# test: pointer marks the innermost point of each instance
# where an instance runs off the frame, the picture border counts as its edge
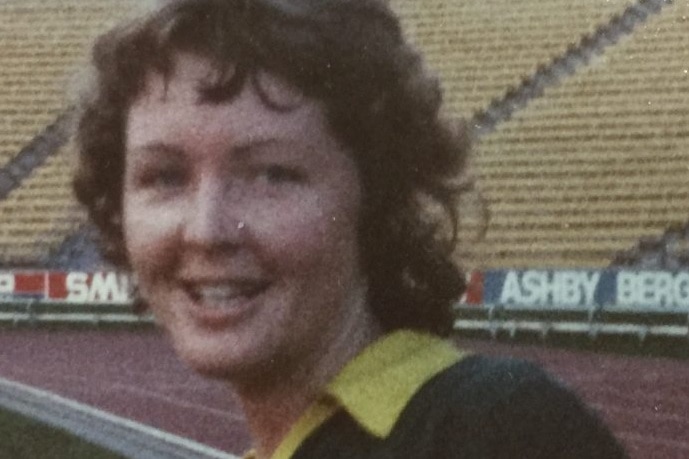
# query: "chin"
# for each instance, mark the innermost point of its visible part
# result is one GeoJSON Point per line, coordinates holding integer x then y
{"type": "Point", "coordinates": [217, 363]}
{"type": "Point", "coordinates": [211, 366]}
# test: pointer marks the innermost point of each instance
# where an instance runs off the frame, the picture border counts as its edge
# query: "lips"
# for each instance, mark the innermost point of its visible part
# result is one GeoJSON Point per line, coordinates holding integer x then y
{"type": "Point", "coordinates": [218, 303]}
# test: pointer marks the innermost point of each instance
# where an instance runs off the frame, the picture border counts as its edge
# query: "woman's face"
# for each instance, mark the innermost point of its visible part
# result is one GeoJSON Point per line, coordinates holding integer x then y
{"type": "Point", "coordinates": [241, 225]}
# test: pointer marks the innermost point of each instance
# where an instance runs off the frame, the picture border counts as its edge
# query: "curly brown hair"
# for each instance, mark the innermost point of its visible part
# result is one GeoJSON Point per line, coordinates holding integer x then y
{"type": "Point", "coordinates": [380, 102]}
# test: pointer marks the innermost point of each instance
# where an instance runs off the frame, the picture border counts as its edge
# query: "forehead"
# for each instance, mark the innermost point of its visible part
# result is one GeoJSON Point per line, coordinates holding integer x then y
{"type": "Point", "coordinates": [188, 73]}
{"type": "Point", "coordinates": [171, 106]}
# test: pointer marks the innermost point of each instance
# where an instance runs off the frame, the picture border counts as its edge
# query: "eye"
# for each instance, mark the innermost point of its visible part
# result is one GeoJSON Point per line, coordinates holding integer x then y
{"type": "Point", "coordinates": [278, 174]}
{"type": "Point", "coordinates": [163, 178]}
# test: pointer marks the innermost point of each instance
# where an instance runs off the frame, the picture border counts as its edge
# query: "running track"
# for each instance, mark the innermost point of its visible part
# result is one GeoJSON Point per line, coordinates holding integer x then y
{"type": "Point", "coordinates": [135, 374]}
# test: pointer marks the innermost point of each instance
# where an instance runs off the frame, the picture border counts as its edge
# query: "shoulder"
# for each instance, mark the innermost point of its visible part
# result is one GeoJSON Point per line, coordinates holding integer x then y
{"type": "Point", "coordinates": [496, 407]}
{"type": "Point", "coordinates": [478, 383]}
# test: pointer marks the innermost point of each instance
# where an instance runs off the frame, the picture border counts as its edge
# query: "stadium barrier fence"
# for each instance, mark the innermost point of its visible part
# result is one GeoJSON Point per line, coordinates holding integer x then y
{"type": "Point", "coordinates": [593, 302]}
{"type": "Point", "coordinates": [56, 297]}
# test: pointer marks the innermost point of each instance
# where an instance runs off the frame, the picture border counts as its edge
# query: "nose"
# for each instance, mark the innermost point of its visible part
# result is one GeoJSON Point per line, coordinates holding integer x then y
{"type": "Point", "coordinates": [212, 219]}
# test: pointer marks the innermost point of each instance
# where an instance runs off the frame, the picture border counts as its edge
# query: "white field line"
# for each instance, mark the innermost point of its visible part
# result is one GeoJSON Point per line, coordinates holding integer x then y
{"type": "Point", "coordinates": [52, 402]}
{"type": "Point", "coordinates": [145, 393]}
{"type": "Point", "coordinates": [105, 385]}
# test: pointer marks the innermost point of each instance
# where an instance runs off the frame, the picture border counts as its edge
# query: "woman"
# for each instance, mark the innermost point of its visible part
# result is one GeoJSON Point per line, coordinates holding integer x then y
{"type": "Point", "coordinates": [278, 178]}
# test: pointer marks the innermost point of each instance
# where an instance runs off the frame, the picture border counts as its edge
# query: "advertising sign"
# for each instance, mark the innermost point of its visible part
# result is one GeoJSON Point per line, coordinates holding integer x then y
{"type": "Point", "coordinates": [614, 290]}
{"type": "Point", "coordinates": [562, 289]}
{"type": "Point", "coordinates": [106, 287]}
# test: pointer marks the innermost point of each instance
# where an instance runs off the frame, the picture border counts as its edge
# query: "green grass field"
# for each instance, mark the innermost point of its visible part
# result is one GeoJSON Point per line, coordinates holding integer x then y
{"type": "Point", "coordinates": [24, 438]}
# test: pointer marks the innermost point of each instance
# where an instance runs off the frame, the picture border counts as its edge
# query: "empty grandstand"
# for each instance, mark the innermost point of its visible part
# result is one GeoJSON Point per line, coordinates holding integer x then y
{"type": "Point", "coordinates": [587, 160]}
{"type": "Point", "coordinates": [598, 160]}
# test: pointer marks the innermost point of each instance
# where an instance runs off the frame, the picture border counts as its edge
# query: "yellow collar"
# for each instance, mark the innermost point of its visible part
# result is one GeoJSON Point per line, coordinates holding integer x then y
{"type": "Point", "coordinates": [375, 386]}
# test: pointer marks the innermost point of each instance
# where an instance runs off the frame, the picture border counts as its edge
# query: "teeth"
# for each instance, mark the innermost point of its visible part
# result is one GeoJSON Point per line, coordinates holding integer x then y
{"type": "Point", "coordinates": [219, 292]}
{"type": "Point", "coordinates": [218, 296]}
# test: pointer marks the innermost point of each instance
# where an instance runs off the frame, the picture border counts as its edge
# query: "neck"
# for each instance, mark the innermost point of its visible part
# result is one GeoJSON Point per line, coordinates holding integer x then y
{"type": "Point", "coordinates": [272, 409]}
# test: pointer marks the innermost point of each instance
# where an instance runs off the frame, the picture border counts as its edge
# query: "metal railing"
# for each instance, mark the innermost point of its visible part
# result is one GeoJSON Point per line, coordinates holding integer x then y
{"type": "Point", "coordinates": [123, 436]}
{"type": "Point", "coordinates": [37, 313]}
{"type": "Point", "coordinates": [594, 323]}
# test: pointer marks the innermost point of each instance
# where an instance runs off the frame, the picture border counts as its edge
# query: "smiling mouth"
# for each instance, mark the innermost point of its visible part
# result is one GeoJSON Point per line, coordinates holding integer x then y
{"type": "Point", "coordinates": [224, 296]}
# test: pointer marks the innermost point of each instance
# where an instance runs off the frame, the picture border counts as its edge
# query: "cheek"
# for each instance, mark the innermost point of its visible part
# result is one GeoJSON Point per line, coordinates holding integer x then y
{"type": "Point", "coordinates": [316, 236]}
{"type": "Point", "coordinates": [150, 235]}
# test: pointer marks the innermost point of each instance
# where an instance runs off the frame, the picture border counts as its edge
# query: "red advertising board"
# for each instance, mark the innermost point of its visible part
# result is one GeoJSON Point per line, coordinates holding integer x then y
{"type": "Point", "coordinates": [108, 287]}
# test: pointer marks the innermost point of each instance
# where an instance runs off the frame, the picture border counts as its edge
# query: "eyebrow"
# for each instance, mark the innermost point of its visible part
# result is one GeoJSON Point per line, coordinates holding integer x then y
{"type": "Point", "coordinates": [242, 149]}
{"type": "Point", "coordinates": [158, 147]}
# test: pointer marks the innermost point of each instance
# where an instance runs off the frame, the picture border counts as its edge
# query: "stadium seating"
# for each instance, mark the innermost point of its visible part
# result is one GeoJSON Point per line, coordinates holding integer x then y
{"type": "Point", "coordinates": [598, 161]}
{"type": "Point", "coordinates": [482, 48]}
{"type": "Point", "coordinates": [669, 251]}
{"type": "Point", "coordinates": [43, 44]}
{"type": "Point", "coordinates": [41, 212]}
{"type": "Point", "coordinates": [578, 175]}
